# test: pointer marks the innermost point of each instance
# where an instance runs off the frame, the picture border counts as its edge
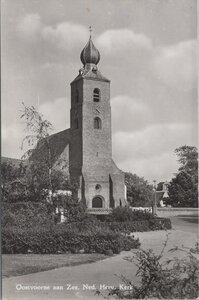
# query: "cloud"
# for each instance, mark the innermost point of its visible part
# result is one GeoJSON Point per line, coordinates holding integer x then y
{"type": "Point", "coordinates": [57, 112]}
{"type": "Point", "coordinates": [176, 65]}
{"type": "Point", "coordinates": [63, 35]}
{"type": "Point", "coordinates": [151, 85]}
{"type": "Point", "coordinates": [138, 151]}
{"type": "Point", "coordinates": [29, 27]}
{"type": "Point", "coordinates": [154, 139]}
{"type": "Point", "coordinates": [129, 113]}
{"type": "Point", "coordinates": [112, 41]}
{"type": "Point", "coordinates": [161, 167]}
{"type": "Point", "coordinates": [12, 136]}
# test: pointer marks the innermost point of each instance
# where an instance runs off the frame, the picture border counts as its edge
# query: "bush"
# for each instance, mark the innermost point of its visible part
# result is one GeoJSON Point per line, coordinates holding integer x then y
{"type": "Point", "coordinates": [160, 223]}
{"type": "Point", "coordinates": [128, 227]}
{"type": "Point", "coordinates": [31, 227]}
{"type": "Point", "coordinates": [92, 224]}
{"type": "Point", "coordinates": [126, 220]}
{"type": "Point", "coordinates": [172, 279]}
{"type": "Point", "coordinates": [124, 214]}
{"type": "Point", "coordinates": [140, 226]}
{"type": "Point", "coordinates": [87, 223]}
{"type": "Point", "coordinates": [60, 239]}
{"type": "Point", "coordinates": [26, 214]}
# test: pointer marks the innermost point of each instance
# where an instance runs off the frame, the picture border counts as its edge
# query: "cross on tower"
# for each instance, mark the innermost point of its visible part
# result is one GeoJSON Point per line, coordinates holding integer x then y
{"type": "Point", "coordinates": [90, 29]}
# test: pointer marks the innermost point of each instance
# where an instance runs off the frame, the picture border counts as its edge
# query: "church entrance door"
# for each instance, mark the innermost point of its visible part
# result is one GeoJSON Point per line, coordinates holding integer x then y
{"type": "Point", "coordinates": [97, 202]}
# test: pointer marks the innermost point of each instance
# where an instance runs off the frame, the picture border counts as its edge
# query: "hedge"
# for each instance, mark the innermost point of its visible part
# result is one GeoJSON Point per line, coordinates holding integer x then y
{"type": "Point", "coordinates": [160, 224]}
{"type": "Point", "coordinates": [59, 240]}
{"type": "Point", "coordinates": [140, 226]}
{"type": "Point", "coordinates": [125, 214]}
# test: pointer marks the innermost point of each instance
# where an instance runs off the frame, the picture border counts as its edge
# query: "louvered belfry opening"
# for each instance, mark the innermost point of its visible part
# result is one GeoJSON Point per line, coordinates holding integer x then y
{"type": "Point", "coordinates": [96, 95]}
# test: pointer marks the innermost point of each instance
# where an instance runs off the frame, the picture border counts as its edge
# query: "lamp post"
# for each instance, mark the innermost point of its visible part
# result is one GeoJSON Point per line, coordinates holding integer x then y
{"type": "Point", "coordinates": [154, 210]}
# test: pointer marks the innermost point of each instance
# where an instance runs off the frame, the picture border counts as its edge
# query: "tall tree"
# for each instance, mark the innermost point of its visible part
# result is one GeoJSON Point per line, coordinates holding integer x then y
{"type": "Point", "coordinates": [188, 159]}
{"type": "Point", "coordinates": [40, 175]}
{"type": "Point", "coordinates": [38, 131]}
{"type": "Point", "coordinates": [139, 191]}
{"type": "Point", "coordinates": [183, 189]}
{"type": "Point", "coordinates": [160, 186]}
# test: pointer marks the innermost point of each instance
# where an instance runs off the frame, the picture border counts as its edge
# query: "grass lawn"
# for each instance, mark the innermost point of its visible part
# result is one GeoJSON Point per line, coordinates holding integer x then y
{"type": "Point", "coordinates": [21, 264]}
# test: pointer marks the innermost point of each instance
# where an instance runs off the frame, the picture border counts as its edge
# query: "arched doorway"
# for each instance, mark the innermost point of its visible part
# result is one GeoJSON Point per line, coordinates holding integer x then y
{"type": "Point", "coordinates": [97, 202]}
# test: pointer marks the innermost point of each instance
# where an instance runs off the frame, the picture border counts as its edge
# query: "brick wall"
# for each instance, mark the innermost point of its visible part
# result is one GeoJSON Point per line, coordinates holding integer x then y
{"type": "Point", "coordinates": [90, 151]}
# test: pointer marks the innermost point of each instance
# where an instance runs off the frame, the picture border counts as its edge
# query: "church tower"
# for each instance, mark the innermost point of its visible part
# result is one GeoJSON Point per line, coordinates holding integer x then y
{"type": "Point", "coordinates": [100, 184]}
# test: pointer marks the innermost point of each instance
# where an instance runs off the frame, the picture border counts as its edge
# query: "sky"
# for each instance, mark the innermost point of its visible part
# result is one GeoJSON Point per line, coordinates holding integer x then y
{"type": "Point", "coordinates": [148, 51]}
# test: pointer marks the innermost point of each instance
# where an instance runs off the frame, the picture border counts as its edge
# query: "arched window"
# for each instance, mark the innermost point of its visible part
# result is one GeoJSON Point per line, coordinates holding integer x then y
{"type": "Point", "coordinates": [76, 124]}
{"type": "Point", "coordinates": [97, 123]}
{"type": "Point", "coordinates": [96, 95]}
{"type": "Point", "coordinates": [97, 202]}
{"type": "Point", "coordinates": [77, 96]}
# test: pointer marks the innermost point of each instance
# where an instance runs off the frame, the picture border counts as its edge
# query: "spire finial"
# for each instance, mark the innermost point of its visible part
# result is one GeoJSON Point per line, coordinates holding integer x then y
{"type": "Point", "coordinates": [90, 29]}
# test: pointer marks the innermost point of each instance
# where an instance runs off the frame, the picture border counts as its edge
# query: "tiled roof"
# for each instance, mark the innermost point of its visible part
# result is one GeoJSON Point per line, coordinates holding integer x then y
{"type": "Point", "coordinates": [90, 73]}
{"type": "Point", "coordinates": [14, 161]}
{"type": "Point", "coordinates": [57, 142]}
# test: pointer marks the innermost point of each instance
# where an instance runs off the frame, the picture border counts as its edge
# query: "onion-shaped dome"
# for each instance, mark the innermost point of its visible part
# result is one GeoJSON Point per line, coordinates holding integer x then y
{"type": "Point", "coordinates": [90, 55]}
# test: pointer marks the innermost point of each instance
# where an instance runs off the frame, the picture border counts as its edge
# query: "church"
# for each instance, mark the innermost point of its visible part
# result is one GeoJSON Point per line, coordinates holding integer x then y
{"type": "Point", "coordinates": [84, 151]}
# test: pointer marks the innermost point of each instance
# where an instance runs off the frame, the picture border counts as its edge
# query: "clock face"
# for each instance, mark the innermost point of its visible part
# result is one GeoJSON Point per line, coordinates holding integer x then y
{"type": "Point", "coordinates": [97, 111]}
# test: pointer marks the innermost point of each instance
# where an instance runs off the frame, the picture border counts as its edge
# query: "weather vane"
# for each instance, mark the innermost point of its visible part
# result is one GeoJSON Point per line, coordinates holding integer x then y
{"type": "Point", "coordinates": [90, 29]}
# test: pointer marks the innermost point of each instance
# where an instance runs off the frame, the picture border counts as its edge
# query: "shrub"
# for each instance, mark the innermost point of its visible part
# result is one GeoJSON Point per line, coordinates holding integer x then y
{"type": "Point", "coordinates": [124, 214]}
{"type": "Point", "coordinates": [128, 227]}
{"type": "Point", "coordinates": [140, 226]}
{"type": "Point", "coordinates": [76, 210]}
{"type": "Point", "coordinates": [160, 223]}
{"type": "Point", "coordinates": [87, 223]}
{"type": "Point", "coordinates": [60, 239]}
{"type": "Point", "coordinates": [172, 279]}
{"type": "Point", "coordinates": [26, 214]}
{"type": "Point", "coordinates": [108, 252]}
{"type": "Point", "coordinates": [92, 224]}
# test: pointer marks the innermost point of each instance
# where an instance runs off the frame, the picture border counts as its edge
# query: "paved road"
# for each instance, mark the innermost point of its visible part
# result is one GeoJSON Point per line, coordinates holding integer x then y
{"type": "Point", "coordinates": [101, 272]}
{"type": "Point", "coordinates": [185, 223]}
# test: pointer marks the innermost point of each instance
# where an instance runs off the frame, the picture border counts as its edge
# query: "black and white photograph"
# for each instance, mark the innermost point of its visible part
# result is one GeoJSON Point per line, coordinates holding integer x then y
{"type": "Point", "coordinates": [99, 156]}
